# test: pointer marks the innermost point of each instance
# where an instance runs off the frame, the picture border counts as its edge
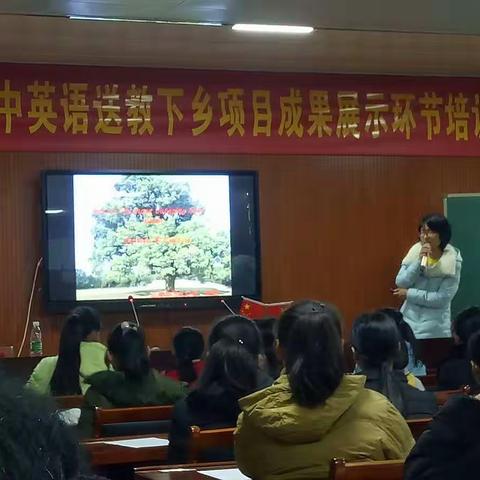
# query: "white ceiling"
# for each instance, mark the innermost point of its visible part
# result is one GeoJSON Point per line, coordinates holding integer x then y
{"type": "Point", "coordinates": [353, 36]}
{"type": "Point", "coordinates": [441, 16]}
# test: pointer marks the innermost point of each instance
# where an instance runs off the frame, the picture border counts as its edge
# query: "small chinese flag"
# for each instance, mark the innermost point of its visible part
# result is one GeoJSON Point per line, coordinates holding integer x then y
{"type": "Point", "coordinates": [255, 310]}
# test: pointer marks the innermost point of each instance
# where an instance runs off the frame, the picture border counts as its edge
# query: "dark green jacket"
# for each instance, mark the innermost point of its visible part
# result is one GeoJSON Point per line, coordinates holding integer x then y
{"type": "Point", "coordinates": [112, 390]}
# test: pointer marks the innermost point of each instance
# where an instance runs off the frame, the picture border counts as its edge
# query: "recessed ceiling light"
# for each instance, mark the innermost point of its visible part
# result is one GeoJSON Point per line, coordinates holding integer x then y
{"type": "Point", "coordinates": [252, 27]}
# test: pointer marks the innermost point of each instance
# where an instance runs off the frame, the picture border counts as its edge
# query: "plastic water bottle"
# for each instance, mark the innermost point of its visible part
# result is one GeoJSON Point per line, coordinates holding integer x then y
{"type": "Point", "coordinates": [36, 345]}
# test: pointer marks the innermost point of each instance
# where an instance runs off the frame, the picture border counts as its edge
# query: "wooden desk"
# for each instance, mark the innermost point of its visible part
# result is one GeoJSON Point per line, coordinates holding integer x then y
{"type": "Point", "coordinates": [103, 454]}
{"type": "Point", "coordinates": [190, 474]}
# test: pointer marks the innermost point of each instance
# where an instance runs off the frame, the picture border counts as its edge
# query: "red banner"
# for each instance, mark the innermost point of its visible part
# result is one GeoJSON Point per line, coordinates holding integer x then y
{"type": "Point", "coordinates": [72, 108]}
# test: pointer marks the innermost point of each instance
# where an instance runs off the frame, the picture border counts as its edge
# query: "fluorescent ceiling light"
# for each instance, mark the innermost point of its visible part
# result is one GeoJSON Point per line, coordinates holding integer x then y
{"type": "Point", "coordinates": [140, 20]}
{"type": "Point", "coordinates": [252, 27]}
{"type": "Point", "coordinates": [106, 19]}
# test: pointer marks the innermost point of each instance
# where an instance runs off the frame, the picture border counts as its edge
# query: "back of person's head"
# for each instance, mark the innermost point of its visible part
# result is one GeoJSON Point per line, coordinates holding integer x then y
{"type": "Point", "coordinates": [239, 329]}
{"type": "Point", "coordinates": [438, 223]}
{"type": "Point", "coordinates": [79, 325]}
{"type": "Point", "coordinates": [128, 351]}
{"type": "Point", "coordinates": [376, 341]}
{"type": "Point", "coordinates": [465, 324]}
{"type": "Point", "coordinates": [474, 354]}
{"type": "Point", "coordinates": [232, 361]}
{"type": "Point", "coordinates": [34, 442]}
{"type": "Point", "coordinates": [406, 337]}
{"type": "Point", "coordinates": [188, 345]}
{"type": "Point", "coordinates": [267, 331]}
{"type": "Point", "coordinates": [310, 336]}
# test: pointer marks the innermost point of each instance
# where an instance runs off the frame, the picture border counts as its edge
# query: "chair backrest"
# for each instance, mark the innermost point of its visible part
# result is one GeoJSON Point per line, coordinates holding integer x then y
{"type": "Point", "coordinates": [384, 470]}
{"type": "Point", "coordinates": [132, 420]}
{"type": "Point", "coordinates": [442, 396]}
{"type": "Point", "coordinates": [434, 351]}
{"type": "Point", "coordinates": [418, 426]}
{"type": "Point", "coordinates": [203, 440]}
{"type": "Point", "coordinates": [162, 360]}
{"type": "Point", "coordinates": [6, 351]}
{"type": "Point", "coordinates": [429, 380]}
{"type": "Point", "coordinates": [19, 367]}
{"type": "Point", "coordinates": [69, 401]}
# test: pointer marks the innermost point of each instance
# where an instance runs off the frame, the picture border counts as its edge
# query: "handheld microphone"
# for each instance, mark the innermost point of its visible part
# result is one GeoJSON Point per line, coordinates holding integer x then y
{"type": "Point", "coordinates": [134, 310]}
{"type": "Point", "coordinates": [228, 307]}
{"type": "Point", "coordinates": [424, 261]}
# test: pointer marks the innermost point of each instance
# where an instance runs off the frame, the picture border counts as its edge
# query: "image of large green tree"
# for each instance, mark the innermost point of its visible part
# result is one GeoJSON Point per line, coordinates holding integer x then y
{"type": "Point", "coordinates": [153, 231]}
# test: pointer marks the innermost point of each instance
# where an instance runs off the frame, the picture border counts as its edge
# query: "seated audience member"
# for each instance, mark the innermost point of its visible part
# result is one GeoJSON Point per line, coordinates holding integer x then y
{"type": "Point", "coordinates": [267, 331]}
{"type": "Point", "coordinates": [455, 372]}
{"type": "Point", "coordinates": [132, 383]}
{"type": "Point", "coordinates": [188, 346]}
{"type": "Point", "coordinates": [314, 412]}
{"type": "Point", "coordinates": [231, 372]}
{"type": "Point", "coordinates": [410, 347]}
{"type": "Point", "coordinates": [79, 355]}
{"type": "Point", "coordinates": [34, 443]}
{"type": "Point", "coordinates": [377, 345]}
{"type": "Point", "coordinates": [450, 448]}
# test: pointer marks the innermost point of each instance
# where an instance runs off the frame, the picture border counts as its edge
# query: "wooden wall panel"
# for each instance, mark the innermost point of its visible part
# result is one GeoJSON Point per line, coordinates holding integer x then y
{"type": "Point", "coordinates": [333, 228]}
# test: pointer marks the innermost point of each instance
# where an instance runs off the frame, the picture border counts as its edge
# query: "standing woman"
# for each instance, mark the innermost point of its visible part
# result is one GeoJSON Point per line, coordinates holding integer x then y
{"type": "Point", "coordinates": [428, 279]}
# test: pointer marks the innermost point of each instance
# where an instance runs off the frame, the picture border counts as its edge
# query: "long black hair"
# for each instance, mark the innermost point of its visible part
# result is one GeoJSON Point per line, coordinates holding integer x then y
{"type": "Point", "coordinates": [376, 340]}
{"type": "Point", "coordinates": [407, 336]}
{"type": "Point", "coordinates": [126, 344]}
{"type": "Point", "coordinates": [310, 332]}
{"type": "Point", "coordinates": [34, 442]}
{"type": "Point", "coordinates": [232, 361]}
{"type": "Point", "coordinates": [267, 331]}
{"type": "Point", "coordinates": [78, 326]}
{"type": "Point", "coordinates": [188, 345]}
{"type": "Point", "coordinates": [466, 323]}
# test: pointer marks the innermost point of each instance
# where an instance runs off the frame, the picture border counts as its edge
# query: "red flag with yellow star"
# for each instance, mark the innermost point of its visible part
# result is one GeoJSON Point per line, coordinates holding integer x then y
{"type": "Point", "coordinates": [255, 310]}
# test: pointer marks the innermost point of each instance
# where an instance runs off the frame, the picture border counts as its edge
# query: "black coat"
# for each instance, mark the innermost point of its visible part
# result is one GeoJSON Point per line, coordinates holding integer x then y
{"type": "Point", "coordinates": [450, 449]}
{"type": "Point", "coordinates": [417, 403]}
{"type": "Point", "coordinates": [209, 408]}
{"type": "Point", "coordinates": [455, 371]}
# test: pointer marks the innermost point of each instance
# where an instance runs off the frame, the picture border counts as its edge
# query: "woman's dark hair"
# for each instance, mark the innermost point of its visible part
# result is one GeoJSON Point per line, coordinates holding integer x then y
{"type": "Point", "coordinates": [466, 323]}
{"type": "Point", "coordinates": [267, 331]}
{"type": "Point", "coordinates": [438, 224]}
{"type": "Point", "coordinates": [376, 340]}
{"type": "Point", "coordinates": [78, 326]}
{"type": "Point", "coordinates": [474, 348]}
{"type": "Point", "coordinates": [240, 329]}
{"type": "Point", "coordinates": [188, 345]}
{"type": "Point", "coordinates": [126, 344]}
{"type": "Point", "coordinates": [232, 360]}
{"type": "Point", "coordinates": [407, 337]}
{"type": "Point", "coordinates": [310, 332]}
{"type": "Point", "coordinates": [34, 442]}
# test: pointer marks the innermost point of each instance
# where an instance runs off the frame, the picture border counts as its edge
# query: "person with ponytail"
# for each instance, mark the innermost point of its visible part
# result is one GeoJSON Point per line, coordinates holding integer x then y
{"type": "Point", "coordinates": [231, 371]}
{"type": "Point", "coordinates": [188, 347]}
{"type": "Point", "coordinates": [314, 412]}
{"type": "Point", "coordinates": [79, 355]}
{"type": "Point", "coordinates": [377, 346]}
{"type": "Point", "coordinates": [132, 382]}
{"type": "Point", "coordinates": [268, 332]}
